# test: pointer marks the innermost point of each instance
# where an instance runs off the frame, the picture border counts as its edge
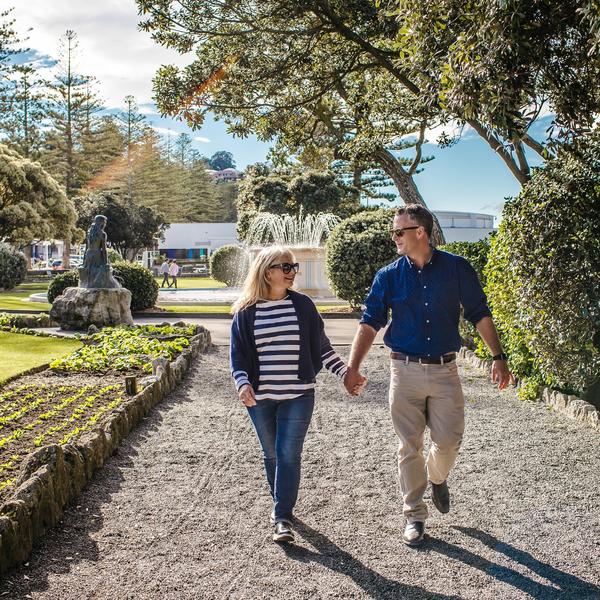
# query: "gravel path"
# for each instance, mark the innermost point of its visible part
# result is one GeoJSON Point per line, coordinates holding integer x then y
{"type": "Point", "coordinates": [181, 511]}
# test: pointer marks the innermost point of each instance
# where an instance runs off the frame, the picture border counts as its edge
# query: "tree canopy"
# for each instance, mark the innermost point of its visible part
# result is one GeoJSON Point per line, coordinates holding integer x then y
{"type": "Point", "coordinates": [32, 204]}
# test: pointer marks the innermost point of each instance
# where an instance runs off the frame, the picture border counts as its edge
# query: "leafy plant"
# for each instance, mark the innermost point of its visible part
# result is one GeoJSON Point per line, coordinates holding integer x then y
{"type": "Point", "coordinates": [229, 264]}
{"type": "Point", "coordinates": [356, 249]}
{"type": "Point", "coordinates": [60, 283]}
{"type": "Point", "coordinates": [139, 281]}
{"type": "Point", "coordinates": [13, 267]}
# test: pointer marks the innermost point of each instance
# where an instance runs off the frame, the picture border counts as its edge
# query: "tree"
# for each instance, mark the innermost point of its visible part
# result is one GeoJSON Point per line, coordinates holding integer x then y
{"type": "Point", "coordinates": [132, 129]}
{"type": "Point", "coordinates": [24, 112]}
{"type": "Point", "coordinates": [331, 100]}
{"type": "Point", "coordinates": [130, 228]}
{"type": "Point", "coordinates": [222, 160]}
{"type": "Point", "coordinates": [324, 42]}
{"type": "Point", "coordinates": [32, 204]}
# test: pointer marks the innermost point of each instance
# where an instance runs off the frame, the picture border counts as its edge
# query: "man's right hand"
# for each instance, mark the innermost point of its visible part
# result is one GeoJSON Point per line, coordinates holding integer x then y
{"type": "Point", "coordinates": [354, 382]}
{"type": "Point", "coordinates": [246, 394]}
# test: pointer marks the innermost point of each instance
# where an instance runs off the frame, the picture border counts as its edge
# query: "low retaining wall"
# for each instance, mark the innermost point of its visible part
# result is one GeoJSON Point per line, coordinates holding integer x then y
{"type": "Point", "coordinates": [571, 406]}
{"type": "Point", "coordinates": [53, 475]}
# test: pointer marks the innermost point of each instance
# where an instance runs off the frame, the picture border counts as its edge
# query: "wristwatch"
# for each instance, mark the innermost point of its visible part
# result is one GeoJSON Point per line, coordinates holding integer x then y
{"type": "Point", "coordinates": [501, 356]}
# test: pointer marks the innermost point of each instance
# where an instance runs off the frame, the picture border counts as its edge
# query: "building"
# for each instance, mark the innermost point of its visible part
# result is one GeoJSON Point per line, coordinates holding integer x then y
{"type": "Point", "coordinates": [225, 175]}
{"type": "Point", "coordinates": [465, 226]}
{"type": "Point", "coordinates": [196, 241]}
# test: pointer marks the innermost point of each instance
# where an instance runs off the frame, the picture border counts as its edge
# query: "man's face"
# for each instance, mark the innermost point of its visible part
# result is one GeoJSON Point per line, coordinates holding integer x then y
{"type": "Point", "coordinates": [411, 238]}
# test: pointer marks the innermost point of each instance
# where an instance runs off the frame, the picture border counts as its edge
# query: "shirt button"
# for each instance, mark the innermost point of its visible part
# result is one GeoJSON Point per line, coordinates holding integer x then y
{"type": "Point", "coordinates": [428, 339]}
{"type": "Point", "coordinates": [424, 287]}
{"type": "Point", "coordinates": [426, 304]}
{"type": "Point", "coordinates": [428, 320]}
{"type": "Point", "coordinates": [419, 271]}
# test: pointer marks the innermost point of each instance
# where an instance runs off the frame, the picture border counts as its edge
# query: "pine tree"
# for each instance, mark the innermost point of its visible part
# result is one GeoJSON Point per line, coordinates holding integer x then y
{"type": "Point", "coordinates": [132, 128]}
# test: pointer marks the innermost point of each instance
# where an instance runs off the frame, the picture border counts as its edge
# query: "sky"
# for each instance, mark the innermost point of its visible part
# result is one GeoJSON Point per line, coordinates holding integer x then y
{"type": "Point", "coordinates": [466, 177]}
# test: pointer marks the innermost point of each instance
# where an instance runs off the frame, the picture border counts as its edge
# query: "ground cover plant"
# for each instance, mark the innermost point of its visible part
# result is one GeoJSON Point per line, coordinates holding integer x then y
{"type": "Point", "coordinates": [118, 349]}
{"type": "Point", "coordinates": [33, 415]}
{"type": "Point", "coordinates": [79, 390]}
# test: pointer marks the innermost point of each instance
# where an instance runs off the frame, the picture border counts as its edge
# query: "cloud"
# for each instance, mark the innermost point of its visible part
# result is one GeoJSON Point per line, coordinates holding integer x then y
{"type": "Point", "coordinates": [201, 139]}
{"type": "Point", "coordinates": [111, 48]}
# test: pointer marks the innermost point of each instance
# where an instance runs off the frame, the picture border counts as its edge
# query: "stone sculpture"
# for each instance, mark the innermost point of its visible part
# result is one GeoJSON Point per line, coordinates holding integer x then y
{"type": "Point", "coordinates": [100, 299]}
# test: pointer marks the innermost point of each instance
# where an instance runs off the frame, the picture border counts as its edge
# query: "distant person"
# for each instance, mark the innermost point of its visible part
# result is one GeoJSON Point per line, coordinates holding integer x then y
{"type": "Point", "coordinates": [173, 272]}
{"type": "Point", "coordinates": [164, 270]}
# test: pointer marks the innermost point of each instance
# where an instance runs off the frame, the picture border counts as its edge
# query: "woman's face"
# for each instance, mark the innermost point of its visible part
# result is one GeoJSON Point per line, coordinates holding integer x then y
{"type": "Point", "coordinates": [276, 277]}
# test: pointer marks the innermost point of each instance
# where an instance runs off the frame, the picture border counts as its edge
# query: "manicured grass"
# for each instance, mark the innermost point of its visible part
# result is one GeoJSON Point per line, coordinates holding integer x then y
{"type": "Point", "coordinates": [186, 283]}
{"type": "Point", "coordinates": [16, 299]}
{"type": "Point", "coordinates": [18, 352]}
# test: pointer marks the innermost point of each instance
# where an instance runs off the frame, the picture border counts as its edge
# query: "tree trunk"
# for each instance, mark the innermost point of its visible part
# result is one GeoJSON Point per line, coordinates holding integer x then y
{"type": "Point", "coordinates": [407, 188]}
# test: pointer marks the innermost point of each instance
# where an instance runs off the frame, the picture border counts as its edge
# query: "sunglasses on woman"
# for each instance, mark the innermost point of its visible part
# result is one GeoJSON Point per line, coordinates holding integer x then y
{"type": "Point", "coordinates": [286, 267]}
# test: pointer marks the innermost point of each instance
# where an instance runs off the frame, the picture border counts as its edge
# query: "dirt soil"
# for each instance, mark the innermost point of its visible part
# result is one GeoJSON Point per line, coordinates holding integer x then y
{"type": "Point", "coordinates": [181, 511]}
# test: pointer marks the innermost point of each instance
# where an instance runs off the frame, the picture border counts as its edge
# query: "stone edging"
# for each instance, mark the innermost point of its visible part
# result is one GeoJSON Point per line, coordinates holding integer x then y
{"type": "Point", "coordinates": [571, 406]}
{"type": "Point", "coordinates": [52, 476]}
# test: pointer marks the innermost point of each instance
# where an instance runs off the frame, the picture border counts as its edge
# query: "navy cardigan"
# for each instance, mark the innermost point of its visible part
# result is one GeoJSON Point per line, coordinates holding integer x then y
{"type": "Point", "coordinates": [314, 342]}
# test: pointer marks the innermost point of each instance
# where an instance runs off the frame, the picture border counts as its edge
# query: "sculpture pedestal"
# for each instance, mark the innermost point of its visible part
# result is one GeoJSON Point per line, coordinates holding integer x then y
{"type": "Point", "coordinates": [78, 308]}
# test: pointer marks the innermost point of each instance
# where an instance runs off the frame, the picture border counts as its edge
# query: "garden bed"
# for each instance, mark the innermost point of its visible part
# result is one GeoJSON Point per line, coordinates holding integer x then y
{"type": "Point", "coordinates": [59, 425]}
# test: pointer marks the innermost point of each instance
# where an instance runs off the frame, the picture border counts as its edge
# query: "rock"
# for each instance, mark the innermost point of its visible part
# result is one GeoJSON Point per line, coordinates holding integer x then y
{"type": "Point", "coordinates": [78, 308]}
{"type": "Point", "coordinates": [92, 329]}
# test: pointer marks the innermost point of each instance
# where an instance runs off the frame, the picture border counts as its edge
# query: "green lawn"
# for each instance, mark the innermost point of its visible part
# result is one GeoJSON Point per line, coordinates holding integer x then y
{"type": "Point", "coordinates": [186, 283]}
{"type": "Point", "coordinates": [215, 308]}
{"type": "Point", "coordinates": [19, 352]}
{"type": "Point", "coordinates": [16, 299]}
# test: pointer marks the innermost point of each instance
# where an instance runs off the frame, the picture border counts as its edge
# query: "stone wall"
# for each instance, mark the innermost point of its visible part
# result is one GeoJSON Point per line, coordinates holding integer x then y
{"type": "Point", "coordinates": [571, 406]}
{"type": "Point", "coordinates": [53, 475]}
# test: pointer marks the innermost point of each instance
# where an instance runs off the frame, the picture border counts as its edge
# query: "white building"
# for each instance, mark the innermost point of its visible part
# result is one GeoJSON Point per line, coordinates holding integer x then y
{"type": "Point", "coordinates": [465, 226]}
{"type": "Point", "coordinates": [193, 241]}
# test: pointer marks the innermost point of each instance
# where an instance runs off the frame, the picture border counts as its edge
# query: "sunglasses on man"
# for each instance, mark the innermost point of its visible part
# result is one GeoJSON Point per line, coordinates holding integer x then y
{"type": "Point", "coordinates": [400, 231]}
{"type": "Point", "coordinates": [286, 267]}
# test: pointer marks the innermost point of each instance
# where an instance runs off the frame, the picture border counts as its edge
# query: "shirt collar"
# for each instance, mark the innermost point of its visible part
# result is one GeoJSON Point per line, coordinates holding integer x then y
{"type": "Point", "coordinates": [411, 264]}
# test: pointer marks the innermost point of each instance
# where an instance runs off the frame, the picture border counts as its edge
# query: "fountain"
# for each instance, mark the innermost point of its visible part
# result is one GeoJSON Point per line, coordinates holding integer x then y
{"type": "Point", "coordinates": [304, 235]}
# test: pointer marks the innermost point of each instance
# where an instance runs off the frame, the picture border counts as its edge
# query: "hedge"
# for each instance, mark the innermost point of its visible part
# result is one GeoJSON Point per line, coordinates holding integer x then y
{"type": "Point", "coordinates": [13, 267]}
{"type": "Point", "coordinates": [229, 264]}
{"type": "Point", "coordinates": [356, 249]}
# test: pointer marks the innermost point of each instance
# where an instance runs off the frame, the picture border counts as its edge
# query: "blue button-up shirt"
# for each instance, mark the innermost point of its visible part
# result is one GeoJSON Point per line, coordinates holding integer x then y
{"type": "Point", "coordinates": [425, 303]}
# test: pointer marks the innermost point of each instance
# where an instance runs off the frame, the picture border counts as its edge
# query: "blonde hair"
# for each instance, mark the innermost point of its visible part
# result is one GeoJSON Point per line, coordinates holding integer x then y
{"type": "Point", "coordinates": [256, 285]}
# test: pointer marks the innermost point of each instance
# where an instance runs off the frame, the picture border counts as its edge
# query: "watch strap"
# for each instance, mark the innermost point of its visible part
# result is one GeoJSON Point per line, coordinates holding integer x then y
{"type": "Point", "coordinates": [501, 356]}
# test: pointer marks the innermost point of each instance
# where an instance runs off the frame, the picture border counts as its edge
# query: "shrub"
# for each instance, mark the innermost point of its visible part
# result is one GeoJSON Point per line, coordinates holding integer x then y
{"type": "Point", "coordinates": [229, 264]}
{"type": "Point", "coordinates": [477, 254]}
{"type": "Point", "coordinates": [139, 281]}
{"type": "Point", "coordinates": [13, 267]}
{"type": "Point", "coordinates": [544, 272]}
{"type": "Point", "coordinates": [60, 283]}
{"type": "Point", "coordinates": [113, 256]}
{"type": "Point", "coordinates": [356, 249]}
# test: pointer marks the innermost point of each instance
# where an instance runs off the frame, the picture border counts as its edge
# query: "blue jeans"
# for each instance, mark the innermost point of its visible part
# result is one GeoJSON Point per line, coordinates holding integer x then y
{"type": "Point", "coordinates": [281, 427]}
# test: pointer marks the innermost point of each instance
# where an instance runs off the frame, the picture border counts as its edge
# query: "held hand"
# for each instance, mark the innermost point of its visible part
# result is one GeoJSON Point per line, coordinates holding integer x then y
{"type": "Point", "coordinates": [359, 387]}
{"type": "Point", "coordinates": [501, 375]}
{"type": "Point", "coordinates": [354, 382]}
{"type": "Point", "coordinates": [247, 397]}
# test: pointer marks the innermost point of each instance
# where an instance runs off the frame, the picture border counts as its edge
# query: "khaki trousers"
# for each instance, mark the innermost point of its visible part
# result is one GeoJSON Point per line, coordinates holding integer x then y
{"type": "Point", "coordinates": [425, 395]}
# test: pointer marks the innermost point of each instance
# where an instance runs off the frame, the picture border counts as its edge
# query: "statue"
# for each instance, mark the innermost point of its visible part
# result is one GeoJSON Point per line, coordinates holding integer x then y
{"type": "Point", "coordinates": [96, 271]}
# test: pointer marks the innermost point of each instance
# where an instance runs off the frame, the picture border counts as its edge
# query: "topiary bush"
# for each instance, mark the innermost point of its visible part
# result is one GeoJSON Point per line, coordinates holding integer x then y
{"type": "Point", "coordinates": [477, 254]}
{"type": "Point", "coordinates": [356, 249]}
{"type": "Point", "coordinates": [13, 267]}
{"type": "Point", "coordinates": [229, 264]}
{"type": "Point", "coordinates": [543, 275]}
{"type": "Point", "coordinates": [139, 281]}
{"type": "Point", "coordinates": [60, 283]}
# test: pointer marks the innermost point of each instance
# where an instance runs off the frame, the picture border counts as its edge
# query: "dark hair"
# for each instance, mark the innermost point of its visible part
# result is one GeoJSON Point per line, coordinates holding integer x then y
{"type": "Point", "coordinates": [418, 214]}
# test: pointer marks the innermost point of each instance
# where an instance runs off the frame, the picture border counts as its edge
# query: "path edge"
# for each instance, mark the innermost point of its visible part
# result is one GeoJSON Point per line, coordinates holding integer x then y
{"type": "Point", "coordinates": [569, 405]}
{"type": "Point", "coordinates": [54, 475]}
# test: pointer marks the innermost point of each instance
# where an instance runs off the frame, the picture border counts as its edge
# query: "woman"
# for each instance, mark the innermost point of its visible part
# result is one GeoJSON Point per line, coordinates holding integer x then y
{"type": "Point", "coordinates": [278, 345]}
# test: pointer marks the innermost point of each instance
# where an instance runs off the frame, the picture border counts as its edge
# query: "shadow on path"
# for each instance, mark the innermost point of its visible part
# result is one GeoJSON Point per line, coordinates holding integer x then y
{"type": "Point", "coordinates": [333, 557]}
{"type": "Point", "coordinates": [563, 585]}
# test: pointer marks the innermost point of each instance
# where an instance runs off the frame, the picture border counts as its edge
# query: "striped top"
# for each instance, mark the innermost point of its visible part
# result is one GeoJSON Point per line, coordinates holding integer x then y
{"type": "Point", "coordinates": [277, 338]}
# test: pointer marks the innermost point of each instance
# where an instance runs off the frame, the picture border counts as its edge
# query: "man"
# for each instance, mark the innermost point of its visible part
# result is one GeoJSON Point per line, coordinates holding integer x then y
{"type": "Point", "coordinates": [173, 272]}
{"type": "Point", "coordinates": [424, 289]}
{"type": "Point", "coordinates": [164, 269]}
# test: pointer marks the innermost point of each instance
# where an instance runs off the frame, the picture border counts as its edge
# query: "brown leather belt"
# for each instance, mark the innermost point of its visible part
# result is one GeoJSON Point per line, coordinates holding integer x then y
{"type": "Point", "coordinates": [425, 360]}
